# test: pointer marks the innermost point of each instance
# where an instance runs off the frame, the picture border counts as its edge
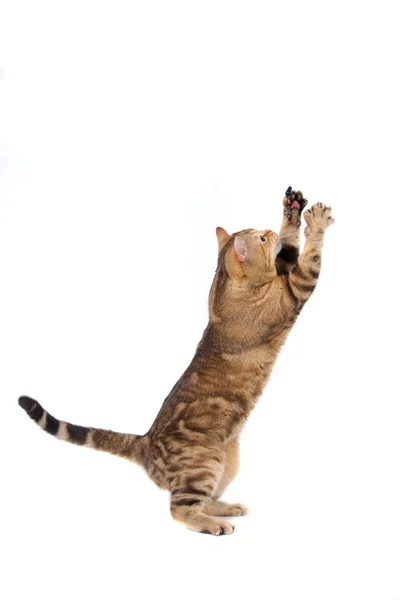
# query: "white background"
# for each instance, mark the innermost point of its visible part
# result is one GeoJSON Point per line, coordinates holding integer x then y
{"type": "Point", "coordinates": [128, 132]}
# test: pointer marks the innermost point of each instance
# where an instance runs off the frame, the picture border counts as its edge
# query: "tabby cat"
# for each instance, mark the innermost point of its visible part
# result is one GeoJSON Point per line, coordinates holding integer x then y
{"type": "Point", "coordinates": [192, 448]}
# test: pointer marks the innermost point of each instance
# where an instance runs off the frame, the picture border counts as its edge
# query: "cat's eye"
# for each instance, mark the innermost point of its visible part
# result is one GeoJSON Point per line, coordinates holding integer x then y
{"type": "Point", "coordinates": [262, 238]}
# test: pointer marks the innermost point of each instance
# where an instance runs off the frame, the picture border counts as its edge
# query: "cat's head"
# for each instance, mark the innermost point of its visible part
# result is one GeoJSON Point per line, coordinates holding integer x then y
{"type": "Point", "coordinates": [249, 255]}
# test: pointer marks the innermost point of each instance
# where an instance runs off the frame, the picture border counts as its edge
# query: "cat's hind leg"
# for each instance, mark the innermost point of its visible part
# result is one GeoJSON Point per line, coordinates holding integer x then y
{"type": "Point", "coordinates": [216, 507]}
{"type": "Point", "coordinates": [231, 465]}
{"type": "Point", "coordinates": [191, 492]}
{"type": "Point", "coordinates": [293, 205]}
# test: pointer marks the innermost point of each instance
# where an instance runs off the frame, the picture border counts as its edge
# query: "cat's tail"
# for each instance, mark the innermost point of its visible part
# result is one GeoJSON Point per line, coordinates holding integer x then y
{"type": "Point", "coordinates": [121, 444]}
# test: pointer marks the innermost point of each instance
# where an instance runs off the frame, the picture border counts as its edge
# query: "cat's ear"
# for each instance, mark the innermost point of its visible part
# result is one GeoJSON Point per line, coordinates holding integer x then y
{"type": "Point", "coordinates": [222, 237]}
{"type": "Point", "coordinates": [240, 248]}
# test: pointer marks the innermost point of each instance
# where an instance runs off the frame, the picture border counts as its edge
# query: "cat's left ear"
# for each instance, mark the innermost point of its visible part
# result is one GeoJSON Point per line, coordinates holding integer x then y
{"type": "Point", "coordinates": [240, 248]}
{"type": "Point", "coordinates": [222, 237]}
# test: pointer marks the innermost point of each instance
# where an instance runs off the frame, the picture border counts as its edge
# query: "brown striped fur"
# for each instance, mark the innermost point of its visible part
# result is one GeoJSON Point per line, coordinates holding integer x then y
{"type": "Point", "coordinates": [192, 448]}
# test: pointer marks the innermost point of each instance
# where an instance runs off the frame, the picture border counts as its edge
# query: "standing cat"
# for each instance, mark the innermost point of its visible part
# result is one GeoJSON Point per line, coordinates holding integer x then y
{"type": "Point", "coordinates": [192, 448]}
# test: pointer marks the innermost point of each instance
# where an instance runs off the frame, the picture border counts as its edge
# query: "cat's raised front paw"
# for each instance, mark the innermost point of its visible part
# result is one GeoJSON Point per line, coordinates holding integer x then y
{"type": "Point", "coordinates": [293, 204]}
{"type": "Point", "coordinates": [318, 218]}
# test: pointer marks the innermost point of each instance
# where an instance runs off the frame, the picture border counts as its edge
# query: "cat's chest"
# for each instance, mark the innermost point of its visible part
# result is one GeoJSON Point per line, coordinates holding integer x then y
{"type": "Point", "coordinates": [246, 375]}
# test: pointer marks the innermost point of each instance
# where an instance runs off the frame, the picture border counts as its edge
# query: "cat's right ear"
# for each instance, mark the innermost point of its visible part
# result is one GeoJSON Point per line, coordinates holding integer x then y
{"type": "Point", "coordinates": [222, 237]}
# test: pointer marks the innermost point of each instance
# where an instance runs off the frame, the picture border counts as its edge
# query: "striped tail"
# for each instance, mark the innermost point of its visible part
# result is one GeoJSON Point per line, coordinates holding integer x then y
{"type": "Point", "coordinates": [121, 444]}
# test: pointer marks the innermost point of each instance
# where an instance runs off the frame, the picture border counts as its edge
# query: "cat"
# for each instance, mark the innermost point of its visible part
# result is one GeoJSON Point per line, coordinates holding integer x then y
{"type": "Point", "coordinates": [192, 449]}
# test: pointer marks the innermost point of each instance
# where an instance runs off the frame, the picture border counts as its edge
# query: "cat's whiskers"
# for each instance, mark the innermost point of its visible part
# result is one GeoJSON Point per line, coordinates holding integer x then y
{"type": "Point", "coordinates": [289, 230]}
{"type": "Point", "coordinates": [289, 234]}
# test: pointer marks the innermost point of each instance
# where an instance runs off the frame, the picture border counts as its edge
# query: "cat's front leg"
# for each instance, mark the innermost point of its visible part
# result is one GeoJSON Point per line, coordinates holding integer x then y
{"type": "Point", "coordinates": [302, 280]}
{"type": "Point", "coordinates": [293, 205]}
